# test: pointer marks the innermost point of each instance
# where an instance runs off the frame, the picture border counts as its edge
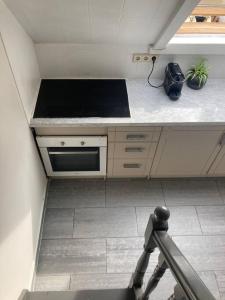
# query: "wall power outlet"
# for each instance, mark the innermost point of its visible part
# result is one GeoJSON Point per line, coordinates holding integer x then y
{"type": "Point", "coordinates": [143, 57]}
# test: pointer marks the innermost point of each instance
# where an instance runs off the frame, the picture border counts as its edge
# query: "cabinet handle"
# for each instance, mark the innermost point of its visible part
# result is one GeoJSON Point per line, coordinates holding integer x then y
{"type": "Point", "coordinates": [131, 166]}
{"type": "Point", "coordinates": [133, 149]}
{"type": "Point", "coordinates": [136, 136]}
{"type": "Point", "coordinates": [72, 152]}
{"type": "Point", "coordinates": [222, 140]}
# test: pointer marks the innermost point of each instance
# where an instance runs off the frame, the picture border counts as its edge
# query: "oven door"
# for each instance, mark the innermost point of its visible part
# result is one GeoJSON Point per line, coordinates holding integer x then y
{"type": "Point", "coordinates": [72, 159]}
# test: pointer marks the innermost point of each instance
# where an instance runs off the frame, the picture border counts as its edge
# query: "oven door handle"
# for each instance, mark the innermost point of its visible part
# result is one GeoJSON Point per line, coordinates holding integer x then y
{"type": "Point", "coordinates": [72, 152]}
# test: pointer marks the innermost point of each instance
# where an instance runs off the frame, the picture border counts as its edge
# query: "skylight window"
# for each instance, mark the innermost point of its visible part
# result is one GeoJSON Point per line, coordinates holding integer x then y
{"type": "Point", "coordinates": [207, 18]}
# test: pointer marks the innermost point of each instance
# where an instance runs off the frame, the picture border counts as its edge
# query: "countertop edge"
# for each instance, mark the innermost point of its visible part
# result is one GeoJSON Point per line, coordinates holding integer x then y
{"type": "Point", "coordinates": [37, 123]}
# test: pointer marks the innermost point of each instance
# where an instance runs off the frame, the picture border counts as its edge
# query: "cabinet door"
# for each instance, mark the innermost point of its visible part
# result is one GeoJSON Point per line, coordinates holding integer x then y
{"type": "Point", "coordinates": [218, 166]}
{"type": "Point", "coordinates": [183, 153]}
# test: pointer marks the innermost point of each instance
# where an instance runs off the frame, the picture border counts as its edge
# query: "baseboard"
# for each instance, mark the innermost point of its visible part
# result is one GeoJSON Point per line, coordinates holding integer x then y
{"type": "Point", "coordinates": [42, 217]}
{"type": "Point", "coordinates": [23, 295]}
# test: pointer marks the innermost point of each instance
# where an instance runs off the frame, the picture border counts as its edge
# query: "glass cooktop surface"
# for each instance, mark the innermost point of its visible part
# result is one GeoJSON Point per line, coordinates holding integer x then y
{"type": "Point", "coordinates": [82, 98]}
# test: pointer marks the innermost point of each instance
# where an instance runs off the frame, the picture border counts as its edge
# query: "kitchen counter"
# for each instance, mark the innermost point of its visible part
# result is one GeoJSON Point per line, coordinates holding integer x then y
{"type": "Point", "coordinates": [151, 107]}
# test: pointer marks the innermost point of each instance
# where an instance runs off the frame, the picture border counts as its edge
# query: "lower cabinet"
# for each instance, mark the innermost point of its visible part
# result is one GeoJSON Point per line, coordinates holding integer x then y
{"type": "Point", "coordinates": [187, 153]}
{"type": "Point", "coordinates": [131, 151]}
{"type": "Point", "coordinates": [191, 151]}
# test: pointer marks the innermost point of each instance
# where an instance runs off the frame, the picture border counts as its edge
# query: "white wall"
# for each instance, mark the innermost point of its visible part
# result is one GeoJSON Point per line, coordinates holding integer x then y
{"type": "Point", "coordinates": [111, 61]}
{"type": "Point", "coordinates": [22, 57]}
{"type": "Point", "coordinates": [22, 179]}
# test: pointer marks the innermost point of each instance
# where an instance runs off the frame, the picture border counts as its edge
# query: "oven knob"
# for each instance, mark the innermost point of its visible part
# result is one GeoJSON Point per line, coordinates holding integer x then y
{"type": "Point", "coordinates": [62, 143]}
{"type": "Point", "coordinates": [82, 143]}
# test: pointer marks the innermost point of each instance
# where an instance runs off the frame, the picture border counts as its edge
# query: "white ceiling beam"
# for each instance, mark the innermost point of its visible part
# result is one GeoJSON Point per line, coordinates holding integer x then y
{"type": "Point", "coordinates": [182, 11]}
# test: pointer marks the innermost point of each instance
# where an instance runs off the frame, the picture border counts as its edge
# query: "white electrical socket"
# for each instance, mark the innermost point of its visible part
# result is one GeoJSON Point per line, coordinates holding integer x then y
{"type": "Point", "coordinates": [143, 57]}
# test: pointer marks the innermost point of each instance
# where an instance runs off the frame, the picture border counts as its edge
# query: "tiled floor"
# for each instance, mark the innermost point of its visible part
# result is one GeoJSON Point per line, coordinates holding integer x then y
{"type": "Point", "coordinates": [93, 231]}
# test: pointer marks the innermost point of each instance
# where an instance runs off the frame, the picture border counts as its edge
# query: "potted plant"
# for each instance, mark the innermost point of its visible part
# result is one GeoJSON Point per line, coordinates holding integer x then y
{"type": "Point", "coordinates": [197, 76]}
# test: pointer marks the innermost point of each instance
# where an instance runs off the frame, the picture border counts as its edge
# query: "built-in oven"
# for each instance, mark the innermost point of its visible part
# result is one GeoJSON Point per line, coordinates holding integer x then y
{"type": "Point", "coordinates": [73, 155]}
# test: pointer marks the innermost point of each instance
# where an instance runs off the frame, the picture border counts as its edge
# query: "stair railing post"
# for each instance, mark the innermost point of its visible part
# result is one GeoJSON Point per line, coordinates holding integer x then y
{"type": "Point", "coordinates": [157, 222]}
{"type": "Point", "coordinates": [155, 278]}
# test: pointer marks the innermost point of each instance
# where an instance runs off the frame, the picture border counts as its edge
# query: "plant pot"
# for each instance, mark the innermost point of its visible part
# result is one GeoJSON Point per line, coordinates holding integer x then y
{"type": "Point", "coordinates": [200, 19]}
{"type": "Point", "coordinates": [194, 84]}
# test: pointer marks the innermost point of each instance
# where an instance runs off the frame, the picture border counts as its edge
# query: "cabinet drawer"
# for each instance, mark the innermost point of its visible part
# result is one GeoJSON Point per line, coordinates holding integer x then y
{"type": "Point", "coordinates": [129, 167]}
{"type": "Point", "coordinates": [134, 150]}
{"type": "Point", "coordinates": [137, 136]}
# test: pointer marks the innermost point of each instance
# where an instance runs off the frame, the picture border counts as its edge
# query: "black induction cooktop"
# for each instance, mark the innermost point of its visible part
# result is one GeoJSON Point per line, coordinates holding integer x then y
{"type": "Point", "coordinates": [82, 98]}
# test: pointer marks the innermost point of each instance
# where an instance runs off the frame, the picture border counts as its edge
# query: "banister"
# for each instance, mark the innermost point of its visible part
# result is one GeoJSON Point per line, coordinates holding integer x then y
{"type": "Point", "coordinates": [189, 285]}
{"type": "Point", "coordinates": [181, 269]}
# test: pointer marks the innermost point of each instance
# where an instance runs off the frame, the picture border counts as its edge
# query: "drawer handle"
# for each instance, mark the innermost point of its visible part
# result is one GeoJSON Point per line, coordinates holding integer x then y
{"type": "Point", "coordinates": [136, 136]}
{"type": "Point", "coordinates": [133, 149]}
{"type": "Point", "coordinates": [131, 166]}
{"type": "Point", "coordinates": [72, 152]}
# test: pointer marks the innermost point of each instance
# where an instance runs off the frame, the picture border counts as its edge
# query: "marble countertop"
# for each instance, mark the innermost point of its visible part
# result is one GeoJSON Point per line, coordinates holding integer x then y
{"type": "Point", "coordinates": [150, 106]}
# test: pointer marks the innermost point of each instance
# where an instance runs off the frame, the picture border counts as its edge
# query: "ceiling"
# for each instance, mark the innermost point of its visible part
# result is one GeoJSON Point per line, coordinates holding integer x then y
{"type": "Point", "coordinates": [93, 21]}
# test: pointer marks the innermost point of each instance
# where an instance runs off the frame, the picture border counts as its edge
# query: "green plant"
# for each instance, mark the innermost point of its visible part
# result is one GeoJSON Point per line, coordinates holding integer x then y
{"type": "Point", "coordinates": [198, 71]}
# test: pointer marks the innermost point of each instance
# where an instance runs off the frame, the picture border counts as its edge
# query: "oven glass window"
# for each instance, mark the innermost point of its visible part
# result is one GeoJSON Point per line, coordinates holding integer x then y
{"type": "Point", "coordinates": [72, 159]}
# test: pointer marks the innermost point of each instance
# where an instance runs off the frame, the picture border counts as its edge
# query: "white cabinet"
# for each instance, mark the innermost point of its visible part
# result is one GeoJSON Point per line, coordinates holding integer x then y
{"type": "Point", "coordinates": [184, 152]}
{"type": "Point", "coordinates": [131, 150]}
{"type": "Point", "coordinates": [148, 151]}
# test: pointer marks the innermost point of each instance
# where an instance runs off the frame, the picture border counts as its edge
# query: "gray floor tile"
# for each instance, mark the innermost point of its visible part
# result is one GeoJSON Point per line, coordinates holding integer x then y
{"type": "Point", "coordinates": [105, 222]}
{"type": "Point", "coordinates": [58, 223]}
{"type": "Point", "coordinates": [52, 283]}
{"type": "Point", "coordinates": [72, 256]}
{"type": "Point", "coordinates": [212, 219]}
{"type": "Point", "coordinates": [183, 220]}
{"type": "Point", "coordinates": [58, 184]}
{"type": "Point", "coordinates": [221, 187]}
{"type": "Point", "coordinates": [220, 277]}
{"type": "Point", "coordinates": [203, 252]}
{"type": "Point", "coordinates": [123, 254]}
{"type": "Point", "coordinates": [99, 281]}
{"type": "Point", "coordinates": [121, 261]}
{"type": "Point", "coordinates": [61, 256]}
{"type": "Point", "coordinates": [124, 243]}
{"type": "Point", "coordinates": [191, 192]}
{"type": "Point", "coordinates": [133, 193]}
{"type": "Point", "coordinates": [72, 193]}
{"type": "Point", "coordinates": [71, 183]}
